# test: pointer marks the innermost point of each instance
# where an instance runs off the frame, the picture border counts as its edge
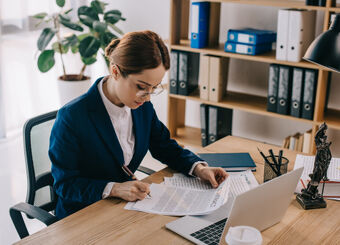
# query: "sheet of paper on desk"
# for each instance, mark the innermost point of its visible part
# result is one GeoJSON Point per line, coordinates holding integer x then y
{"type": "Point", "coordinates": [178, 201]}
{"type": "Point", "coordinates": [333, 173]}
{"type": "Point", "coordinates": [182, 195]}
{"type": "Point", "coordinates": [239, 182]}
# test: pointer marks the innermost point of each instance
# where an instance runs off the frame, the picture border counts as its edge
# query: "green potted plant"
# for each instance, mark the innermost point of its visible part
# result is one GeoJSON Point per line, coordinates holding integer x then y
{"type": "Point", "coordinates": [92, 31]}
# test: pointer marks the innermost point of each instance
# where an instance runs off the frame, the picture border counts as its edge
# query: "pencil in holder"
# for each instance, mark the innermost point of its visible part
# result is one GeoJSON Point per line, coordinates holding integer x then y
{"type": "Point", "coordinates": [273, 169]}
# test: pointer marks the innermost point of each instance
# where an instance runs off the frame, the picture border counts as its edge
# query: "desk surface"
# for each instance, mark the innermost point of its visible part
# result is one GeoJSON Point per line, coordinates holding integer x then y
{"type": "Point", "coordinates": [106, 221]}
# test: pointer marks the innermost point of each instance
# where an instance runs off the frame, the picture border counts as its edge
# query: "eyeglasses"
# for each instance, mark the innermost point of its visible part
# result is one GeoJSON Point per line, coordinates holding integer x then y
{"type": "Point", "coordinates": [142, 93]}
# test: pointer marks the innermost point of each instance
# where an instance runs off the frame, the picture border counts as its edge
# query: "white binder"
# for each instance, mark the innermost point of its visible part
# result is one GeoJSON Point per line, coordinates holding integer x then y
{"type": "Point", "coordinates": [301, 33]}
{"type": "Point", "coordinates": [218, 76]}
{"type": "Point", "coordinates": [203, 79]}
{"type": "Point", "coordinates": [282, 34]}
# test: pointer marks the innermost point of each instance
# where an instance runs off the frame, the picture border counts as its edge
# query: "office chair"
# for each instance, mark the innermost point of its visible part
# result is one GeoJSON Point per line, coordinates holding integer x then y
{"type": "Point", "coordinates": [41, 199]}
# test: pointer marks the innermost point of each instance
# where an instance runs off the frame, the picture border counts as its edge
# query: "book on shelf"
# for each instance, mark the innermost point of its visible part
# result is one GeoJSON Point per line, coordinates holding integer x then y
{"type": "Point", "coordinates": [298, 142]}
{"type": "Point", "coordinates": [232, 162]}
{"type": "Point", "coordinates": [332, 185]}
{"type": "Point", "coordinates": [307, 136]}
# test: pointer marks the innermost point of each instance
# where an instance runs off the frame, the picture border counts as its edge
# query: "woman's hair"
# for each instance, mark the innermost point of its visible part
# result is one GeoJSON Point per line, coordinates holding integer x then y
{"type": "Point", "coordinates": [137, 51]}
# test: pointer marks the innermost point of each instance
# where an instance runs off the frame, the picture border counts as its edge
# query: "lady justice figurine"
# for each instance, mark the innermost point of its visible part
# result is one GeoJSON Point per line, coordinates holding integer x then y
{"type": "Point", "coordinates": [310, 197]}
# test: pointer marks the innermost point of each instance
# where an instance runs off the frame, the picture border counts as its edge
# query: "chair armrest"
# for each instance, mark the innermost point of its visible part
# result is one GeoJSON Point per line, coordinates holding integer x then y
{"type": "Point", "coordinates": [145, 170]}
{"type": "Point", "coordinates": [35, 212]}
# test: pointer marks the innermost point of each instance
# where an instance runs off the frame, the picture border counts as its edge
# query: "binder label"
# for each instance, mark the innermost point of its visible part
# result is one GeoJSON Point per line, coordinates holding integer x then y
{"type": "Point", "coordinates": [194, 22]}
{"type": "Point", "coordinates": [243, 38]}
{"type": "Point", "coordinates": [242, 49]}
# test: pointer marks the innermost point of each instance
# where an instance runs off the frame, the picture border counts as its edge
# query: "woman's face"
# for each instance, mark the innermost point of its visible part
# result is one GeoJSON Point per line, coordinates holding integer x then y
{"type": "Point", "coordinates": [135, 89]}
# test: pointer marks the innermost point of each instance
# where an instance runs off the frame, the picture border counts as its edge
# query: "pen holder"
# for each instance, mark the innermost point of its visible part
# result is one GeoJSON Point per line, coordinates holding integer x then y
{"type": "Point", "coordinates": [271, 170]}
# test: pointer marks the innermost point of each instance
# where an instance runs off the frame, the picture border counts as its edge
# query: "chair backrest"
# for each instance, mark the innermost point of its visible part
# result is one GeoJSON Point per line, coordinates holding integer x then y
{"type": "Point", "coordinates": [37, 133]}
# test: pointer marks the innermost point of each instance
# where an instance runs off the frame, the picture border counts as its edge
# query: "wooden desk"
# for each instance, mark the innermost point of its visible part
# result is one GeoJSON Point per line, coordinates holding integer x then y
{"type": "Point", "coordinates": [106, 222]}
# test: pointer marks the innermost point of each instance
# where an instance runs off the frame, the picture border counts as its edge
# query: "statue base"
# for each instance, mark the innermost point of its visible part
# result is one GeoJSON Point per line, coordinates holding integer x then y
{"type": "Point", "coordinates": [309, 203]}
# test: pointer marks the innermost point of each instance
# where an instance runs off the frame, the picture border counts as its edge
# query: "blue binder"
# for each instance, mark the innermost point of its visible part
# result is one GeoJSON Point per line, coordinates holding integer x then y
{"type": "Point", "coordinates": [250, 49]}
{"type": "Point", "coordinates": [251, 36]}
{"type": "Point", "coordinates": [199, 24]}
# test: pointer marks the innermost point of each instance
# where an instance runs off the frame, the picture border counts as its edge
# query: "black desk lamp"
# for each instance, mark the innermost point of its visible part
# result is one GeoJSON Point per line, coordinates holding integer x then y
{"type": "Point", "coordinates": [325, 49]}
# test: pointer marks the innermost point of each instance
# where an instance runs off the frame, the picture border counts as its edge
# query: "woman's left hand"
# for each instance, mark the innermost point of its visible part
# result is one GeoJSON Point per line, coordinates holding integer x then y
{"type": "Point", "coordinates": [215, 176]}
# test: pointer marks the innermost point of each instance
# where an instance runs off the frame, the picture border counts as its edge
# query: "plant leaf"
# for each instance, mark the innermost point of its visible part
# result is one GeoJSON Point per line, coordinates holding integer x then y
{"type": "Point", "coordinates": [74, 49]}
{"type": "Point", "coordinates": [89, 61]}
{"type": "Point", "coordinates": [113, 16]}
{"type": "Point", "coordinates": [99, 26]}
{"type": "Point", "coordinates": [82, 36]}
{"type": "Point", "coordinates": [116, 29]}
{"type": "Point", "coordinates": [68, 11]}
{"type": "Point", "coordinates": [71, 40]}
{"type": "Point", "coordinates": [106, 37]}
{"type": "Point", "coordinates": [40, 15]}
{"type": "Point", "coordinates": [71, 25]}
{"type": "Point", "coordinates": [97, 6]}
{"type": "Point", "coordinates": [45, 37]}
{"type": "Point", "coordinates": [88, 46]}
{"type": "Point", "coordinates": [64, 17]}
{"type": "Point", "coordinates": [87, 15]}
{"type": "Point", "coordinates": [46, 60]}
{"type": "Point", "coordinates": [60, 3]}
{"type": "Point", "coordinates": [56, 48]}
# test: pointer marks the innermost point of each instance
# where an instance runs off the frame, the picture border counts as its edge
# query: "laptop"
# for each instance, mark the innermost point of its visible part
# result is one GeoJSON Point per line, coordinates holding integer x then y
{"type": "Point", "coordinates": [260, 207]}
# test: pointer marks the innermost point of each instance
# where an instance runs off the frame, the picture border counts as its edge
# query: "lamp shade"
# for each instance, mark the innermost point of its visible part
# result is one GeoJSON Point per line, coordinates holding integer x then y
{"type": "Point", "coordinates": [325, 49]}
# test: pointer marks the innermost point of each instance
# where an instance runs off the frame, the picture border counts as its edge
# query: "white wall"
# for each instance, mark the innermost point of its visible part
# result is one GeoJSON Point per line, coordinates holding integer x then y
{"type": "Point", "coordinates": [244, 76]}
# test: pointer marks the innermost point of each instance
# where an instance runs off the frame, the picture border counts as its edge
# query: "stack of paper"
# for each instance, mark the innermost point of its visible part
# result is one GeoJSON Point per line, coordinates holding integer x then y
{"type": "Point", "coordinates": [182, 195]}
{"type": "Point", "coordinates": [332, 187]}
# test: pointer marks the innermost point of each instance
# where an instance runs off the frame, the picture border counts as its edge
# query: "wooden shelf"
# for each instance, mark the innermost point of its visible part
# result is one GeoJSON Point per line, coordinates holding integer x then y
{"type": "Point", "coordinates": [189, 136]}
{"type": "Point", "coordinates": [274, 3]}
{"type": "Point", "coordinates": [332, 118]}
{"type": "Point", "coordinates": [244, 102]}
{"type": "Point", "coordinates": [219, 51]}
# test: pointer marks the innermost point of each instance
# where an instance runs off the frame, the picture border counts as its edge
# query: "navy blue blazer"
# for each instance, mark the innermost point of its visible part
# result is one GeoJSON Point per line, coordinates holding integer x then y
{"type": "Point", "coordinates": [86, 154]}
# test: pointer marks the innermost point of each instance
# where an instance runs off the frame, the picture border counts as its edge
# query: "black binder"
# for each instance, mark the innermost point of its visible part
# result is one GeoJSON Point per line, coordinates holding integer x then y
{"type": "Point", "coordinates": [311, 77]}
{"type": "Point", "coordinates": [173, 72]}
{"type": "Point", "coordinates": [297, 92]}
{"type": "Point", "coordinates": [272, 87]}
{"type": "Point", "coordinates": [204, 115]}
{"type": "Point", "coordinates": [284, 90]}
{"type": "Point", "coordinates": [188, 72]}
{"type": "Point", "coordinates": [220, 123]}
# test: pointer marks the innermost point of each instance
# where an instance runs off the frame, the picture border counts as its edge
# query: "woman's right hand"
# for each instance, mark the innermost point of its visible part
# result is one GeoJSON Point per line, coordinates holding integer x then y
{"type": "Point", "coordinates": [130, 190]}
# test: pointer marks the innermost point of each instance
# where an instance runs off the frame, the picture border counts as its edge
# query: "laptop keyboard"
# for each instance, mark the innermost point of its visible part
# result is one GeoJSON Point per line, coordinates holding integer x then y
{"type": "Point", "coordinates": [211, 234]}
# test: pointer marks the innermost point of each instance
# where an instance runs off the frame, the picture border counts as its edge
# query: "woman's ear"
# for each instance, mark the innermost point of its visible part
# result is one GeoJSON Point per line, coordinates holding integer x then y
{"type": "Point", "coordinates": [115, 72]}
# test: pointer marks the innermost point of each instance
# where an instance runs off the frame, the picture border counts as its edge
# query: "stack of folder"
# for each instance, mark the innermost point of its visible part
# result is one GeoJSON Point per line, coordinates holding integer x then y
{"type": "Point", "coordinates": [213, 77]}
{"type": "Point", "coordinates": [249, 41]}
{"type": "Point", "coordinates": [291, 90]}
{"type": "Point", "coordinates": [295, 32]}
{"type": "Point", "coordinates": [216, 123]}
{"type": "Point", "coordinates": [184, 70]}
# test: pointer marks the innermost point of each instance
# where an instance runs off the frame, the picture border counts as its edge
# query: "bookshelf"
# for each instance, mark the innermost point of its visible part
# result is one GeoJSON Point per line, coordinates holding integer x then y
{"type": "Point", "coordinates": [179, 26]}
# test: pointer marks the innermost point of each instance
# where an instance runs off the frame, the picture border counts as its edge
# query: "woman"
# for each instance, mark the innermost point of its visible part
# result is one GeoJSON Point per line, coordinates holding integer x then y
{"type": "Point", "coordinates": [114, 125]}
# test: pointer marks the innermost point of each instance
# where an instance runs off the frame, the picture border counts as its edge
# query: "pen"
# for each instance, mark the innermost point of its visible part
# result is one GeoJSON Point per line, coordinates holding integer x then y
{"type": "Point", "coordinates": [280, 161]}
{"type": "Point", "coordinates": [131, 175]}
{"type": "Point", "coordinates": [265, 159]}
{"type": "Point", "coordinates": [273, 157]}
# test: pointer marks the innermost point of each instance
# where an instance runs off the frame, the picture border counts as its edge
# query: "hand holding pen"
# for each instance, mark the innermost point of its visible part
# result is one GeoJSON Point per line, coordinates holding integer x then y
{"type": "Point", "coordinates": [133, 177]}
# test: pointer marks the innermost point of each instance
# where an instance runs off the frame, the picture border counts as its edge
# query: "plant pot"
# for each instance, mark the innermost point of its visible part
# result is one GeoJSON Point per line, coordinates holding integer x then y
{"type": "Point", "coordinates": [70, 87]}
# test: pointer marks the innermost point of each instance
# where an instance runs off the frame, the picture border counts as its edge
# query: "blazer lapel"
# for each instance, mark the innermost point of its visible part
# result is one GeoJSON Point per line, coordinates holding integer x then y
{"type": "Point", "coordinates": [138, 126]}
{"type": "Point", "coordinates": [101, 120]}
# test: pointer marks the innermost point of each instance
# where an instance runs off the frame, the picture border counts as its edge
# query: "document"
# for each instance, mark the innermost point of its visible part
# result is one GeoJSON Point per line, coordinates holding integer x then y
{"type": "Point", "coordinates": [179, 201]}
{"type": "Point", "coordinates": [332, 187]}
{"type": "Point", "coordinates": [182, 195]}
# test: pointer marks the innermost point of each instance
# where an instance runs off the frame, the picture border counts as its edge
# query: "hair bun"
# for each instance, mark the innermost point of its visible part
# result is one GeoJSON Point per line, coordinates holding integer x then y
{"type": "Point", "coordinates": [112, 45]}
